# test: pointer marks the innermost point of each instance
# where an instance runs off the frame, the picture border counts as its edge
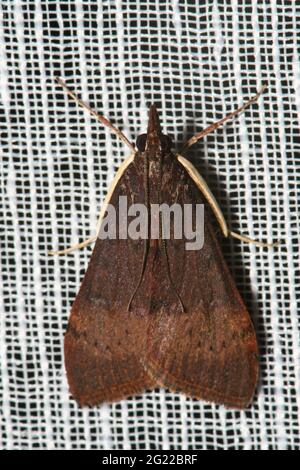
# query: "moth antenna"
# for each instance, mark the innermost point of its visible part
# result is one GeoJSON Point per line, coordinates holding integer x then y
{"type": "Point", "coordinates": [252, 241]}
{"type": "Point", "coordinates": [72, 248]}
{"type": "Point", "coordinates": [93, 238]}
{"type": "Point", "coordinates": [94, 113]}
{"type": "Point", "coordinates": [217, 124]}
{"type": "Point", "coordinates": [202, 185]}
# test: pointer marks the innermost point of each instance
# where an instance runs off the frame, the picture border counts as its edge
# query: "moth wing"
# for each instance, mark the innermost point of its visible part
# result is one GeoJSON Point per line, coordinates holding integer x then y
{"type": "Point", "coordinates": [209, 351]}
{"type": "Point", "coordinates": [104, 341]}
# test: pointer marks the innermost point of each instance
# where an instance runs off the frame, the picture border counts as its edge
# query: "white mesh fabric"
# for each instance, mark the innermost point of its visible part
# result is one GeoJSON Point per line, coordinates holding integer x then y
{"type": "Point", "coordinates": [196, 61]}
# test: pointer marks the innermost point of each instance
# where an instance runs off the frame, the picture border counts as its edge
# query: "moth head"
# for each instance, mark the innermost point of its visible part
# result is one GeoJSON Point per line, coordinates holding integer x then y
{"type": "Point", "coordinates": [165, 142]}
{"type": "Point", "coordinates": [154, 138]}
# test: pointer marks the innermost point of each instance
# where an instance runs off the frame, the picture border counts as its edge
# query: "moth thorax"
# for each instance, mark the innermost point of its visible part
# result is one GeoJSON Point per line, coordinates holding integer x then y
{"type": "Point", "coordinates": [155, 167]}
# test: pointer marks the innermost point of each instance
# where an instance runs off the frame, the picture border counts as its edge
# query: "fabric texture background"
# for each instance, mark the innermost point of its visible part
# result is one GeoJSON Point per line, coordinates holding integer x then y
{"type": "Point", "coordinates": [197, 61]}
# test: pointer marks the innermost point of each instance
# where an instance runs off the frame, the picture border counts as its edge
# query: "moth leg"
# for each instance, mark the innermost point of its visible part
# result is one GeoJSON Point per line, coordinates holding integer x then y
{"type": "Point", "coordinates": [98, 116]}
{"type": "Point", "coordinates": [202, 185]}
{"type": "Point", "coordinates": [217, 124]}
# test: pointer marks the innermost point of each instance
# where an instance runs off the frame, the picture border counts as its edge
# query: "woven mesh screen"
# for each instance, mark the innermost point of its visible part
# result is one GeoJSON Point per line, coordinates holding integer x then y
{"type": "Point", "coordinates": [197, 61]}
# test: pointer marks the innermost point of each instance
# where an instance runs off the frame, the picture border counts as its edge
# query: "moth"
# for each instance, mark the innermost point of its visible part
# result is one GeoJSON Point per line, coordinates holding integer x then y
{"type": "Point", "coordinates": [150, 313]}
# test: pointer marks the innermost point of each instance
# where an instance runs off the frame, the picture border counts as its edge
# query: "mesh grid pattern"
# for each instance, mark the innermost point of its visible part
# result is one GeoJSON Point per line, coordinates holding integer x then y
{"type": "Point", "coordinates": [196, 61]}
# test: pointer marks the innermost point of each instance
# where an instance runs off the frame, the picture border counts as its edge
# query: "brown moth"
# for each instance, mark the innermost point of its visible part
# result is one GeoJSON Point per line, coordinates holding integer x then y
{"type": "Point", "coordinates": [150, 313]}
